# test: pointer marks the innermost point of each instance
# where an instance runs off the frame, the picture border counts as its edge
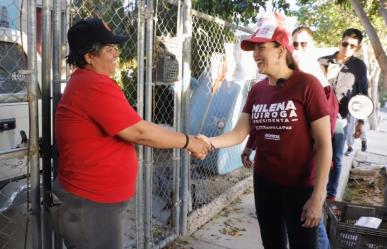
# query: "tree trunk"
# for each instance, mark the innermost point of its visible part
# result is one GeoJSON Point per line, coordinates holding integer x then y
{"type": "Point", "coordinates": [374, 81]}
{"type": "Point", "coordinates": [380, 55]}
{"type": "Point", "coordinates": [383, 10]}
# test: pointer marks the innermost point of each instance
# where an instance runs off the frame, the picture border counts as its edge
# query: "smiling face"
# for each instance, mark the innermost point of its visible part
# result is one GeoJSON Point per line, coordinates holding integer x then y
{"type": "Point", "coordinates": [104, 61]}
{"type": "Point", "coordinates": [267, 56]}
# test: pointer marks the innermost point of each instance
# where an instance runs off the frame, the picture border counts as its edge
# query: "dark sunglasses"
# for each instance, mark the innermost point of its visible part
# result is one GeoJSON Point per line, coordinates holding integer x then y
{"type": "Point", "coordinates": [303, 44]}
{"type": "Point", "coordinates": [345, 44]}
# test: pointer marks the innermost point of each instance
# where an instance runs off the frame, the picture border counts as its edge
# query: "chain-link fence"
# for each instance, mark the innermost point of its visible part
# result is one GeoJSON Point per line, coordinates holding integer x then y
{"type": "Point", "coordinates": [165, 112]}
{"type": "Point", "coordinates": [216, 98]}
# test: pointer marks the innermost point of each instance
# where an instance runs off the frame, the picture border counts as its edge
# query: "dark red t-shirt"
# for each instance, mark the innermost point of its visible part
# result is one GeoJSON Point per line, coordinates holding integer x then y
{"type": "Point", "coordinates": [93, 162]}
{"type": "Point", "coordinates": [281, 118]}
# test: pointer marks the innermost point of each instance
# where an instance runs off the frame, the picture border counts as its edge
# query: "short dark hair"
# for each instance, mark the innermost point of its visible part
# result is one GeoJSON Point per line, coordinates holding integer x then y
{"type": "Point", "coordinates": [353, 33]}
{"type": "Point", "coordinates": [75, 58]}
{"type": "Point", "coordinates": [303, 29]}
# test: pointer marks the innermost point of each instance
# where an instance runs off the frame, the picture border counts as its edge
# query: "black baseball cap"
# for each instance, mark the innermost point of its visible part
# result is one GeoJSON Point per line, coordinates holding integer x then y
{"type": "Point", "coordinates": [82, 35]}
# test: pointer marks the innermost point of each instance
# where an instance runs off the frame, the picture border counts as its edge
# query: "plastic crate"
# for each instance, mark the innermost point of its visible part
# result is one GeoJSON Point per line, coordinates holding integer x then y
{"type": "Point", "coordinates": [167, 69]}
{"type": "Point", "coordinates": [344, 234]}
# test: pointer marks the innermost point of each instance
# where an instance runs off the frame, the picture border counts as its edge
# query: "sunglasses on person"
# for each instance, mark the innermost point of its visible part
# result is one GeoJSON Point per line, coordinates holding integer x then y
{"type": "Point", "coordinates": [345, 44]}
{"type": "Point", "coordinates": [303, 44]}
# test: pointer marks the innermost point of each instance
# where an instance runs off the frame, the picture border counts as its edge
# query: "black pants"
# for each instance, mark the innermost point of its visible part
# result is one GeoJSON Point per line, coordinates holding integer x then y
{"type": "Point", "coordinates": [279, 211]}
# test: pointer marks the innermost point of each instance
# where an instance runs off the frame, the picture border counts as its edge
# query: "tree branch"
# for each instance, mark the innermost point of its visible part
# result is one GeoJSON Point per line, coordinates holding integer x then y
{"type": "Point", "coordinates": [380, 54]}
{"type": "Point", "coordinates": [383, 10]}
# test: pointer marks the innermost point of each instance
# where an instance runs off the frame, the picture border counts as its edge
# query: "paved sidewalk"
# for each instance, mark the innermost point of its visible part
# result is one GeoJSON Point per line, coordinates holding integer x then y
{"type": "Point", "coordinates": [236, 226]}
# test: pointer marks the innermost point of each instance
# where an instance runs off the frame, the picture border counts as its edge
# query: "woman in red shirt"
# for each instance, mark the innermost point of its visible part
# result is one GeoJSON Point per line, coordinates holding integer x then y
{"type": "Point", "coordinates": [96, 129]}
{"type": "Point", "coordinates": [289, 114]}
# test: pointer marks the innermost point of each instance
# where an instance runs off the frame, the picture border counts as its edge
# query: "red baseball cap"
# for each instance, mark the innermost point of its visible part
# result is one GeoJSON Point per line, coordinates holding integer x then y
{"type": "Point", "coordinates": [268, 33]}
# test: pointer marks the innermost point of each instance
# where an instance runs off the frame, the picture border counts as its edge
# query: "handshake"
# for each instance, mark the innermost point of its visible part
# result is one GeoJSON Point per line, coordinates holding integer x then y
{"type": "Point", "coordinates": [199, 146]}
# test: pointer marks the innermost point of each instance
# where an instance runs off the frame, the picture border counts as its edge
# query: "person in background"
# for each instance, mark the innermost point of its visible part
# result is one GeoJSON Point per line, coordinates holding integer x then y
{"type": "Point", "coordinates": [355, 132]}
{"type": "Point", "coordinates": [305, 55]}
{"type": "Point", "coordinates": [348, 77]}
{"type": "Point", "coordinates": [289, 181]}
{"type": "Point", "coordinates": [96, 130]}
{"type": "Point", "coordinates": [304, 52]}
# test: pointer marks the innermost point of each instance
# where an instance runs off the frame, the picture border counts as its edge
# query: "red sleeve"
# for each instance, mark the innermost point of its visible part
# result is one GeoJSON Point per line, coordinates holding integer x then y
{"type": "Point", "coordinates": [316, 104]}
{"type": "Point", "coordinates": [107, 105]}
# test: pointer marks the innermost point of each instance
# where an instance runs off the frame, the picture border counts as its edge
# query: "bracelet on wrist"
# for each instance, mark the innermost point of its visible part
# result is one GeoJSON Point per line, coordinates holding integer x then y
{"type": "Point", "coordinates": [186, 141]}
{"type": "Point", "coordinates": [212, 146]}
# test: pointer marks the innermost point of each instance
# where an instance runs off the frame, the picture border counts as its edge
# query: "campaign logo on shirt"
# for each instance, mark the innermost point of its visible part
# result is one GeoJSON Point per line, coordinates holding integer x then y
{"type": "Point", "coordinates": [272, 137]}
{"type": "Point", "coordinates": [278, 115]}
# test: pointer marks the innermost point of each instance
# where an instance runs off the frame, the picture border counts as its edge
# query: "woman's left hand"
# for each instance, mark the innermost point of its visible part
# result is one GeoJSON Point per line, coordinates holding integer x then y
{"type": "Point", "coordinates": [311, 213]}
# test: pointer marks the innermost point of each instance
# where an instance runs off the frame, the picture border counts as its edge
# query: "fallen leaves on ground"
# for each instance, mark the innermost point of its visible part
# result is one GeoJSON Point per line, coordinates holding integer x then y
{"type": "Point", "coordinates": [365, 190]}
{"type": "Point", "coordinates": [231, 230]}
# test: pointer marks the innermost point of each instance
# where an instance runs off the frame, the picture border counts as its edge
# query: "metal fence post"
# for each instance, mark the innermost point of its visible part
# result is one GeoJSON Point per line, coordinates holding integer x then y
{"type": "Point", "coordinates": [56, 91]}
{"type": "Point", "coordinates": [140, 111]}
{"type": "Point", "coordinates": [148, 162]}
{"type": "Point", "coordinates": [34, 129]}
{"type": "Point", "coordinates": [57, 53]}
{"type": "Point", "coordinates": [46, 121]}
{"type": "Point", "coordinates": [177, 121]}
{"type": "Point", "coordinates": [185, 169]}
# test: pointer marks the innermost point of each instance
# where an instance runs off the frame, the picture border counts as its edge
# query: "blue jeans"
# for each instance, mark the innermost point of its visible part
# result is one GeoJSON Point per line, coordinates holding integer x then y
{"type": "Point", "coordinates": [322, 237]}
{"type": "Point", "coordinates": [338, 142]}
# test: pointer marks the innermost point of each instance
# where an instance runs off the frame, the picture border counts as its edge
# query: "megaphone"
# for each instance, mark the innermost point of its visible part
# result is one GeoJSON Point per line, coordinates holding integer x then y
{"type": "Point", "coordinates": [360, 106]}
